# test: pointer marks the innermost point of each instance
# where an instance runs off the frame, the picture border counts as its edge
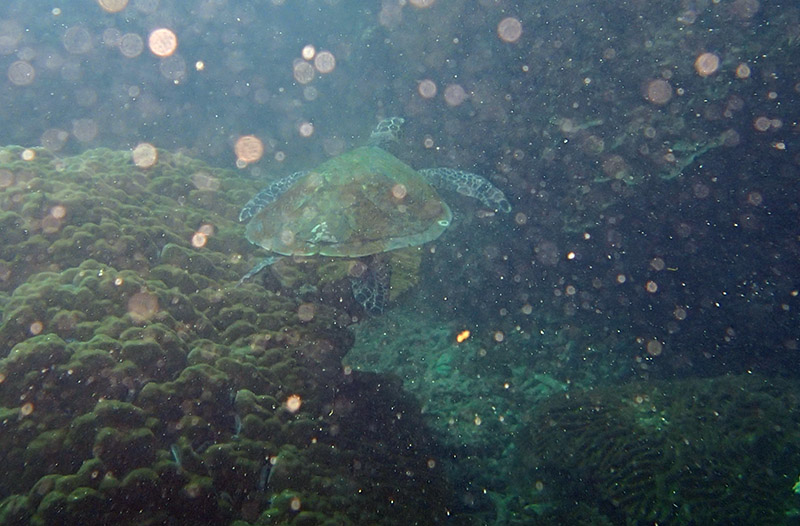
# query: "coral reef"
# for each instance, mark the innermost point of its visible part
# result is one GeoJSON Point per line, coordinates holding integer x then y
{"type": "Point", "coordinates": [140, 385]}
{"type": "Point", "coordinates": [699, 451]}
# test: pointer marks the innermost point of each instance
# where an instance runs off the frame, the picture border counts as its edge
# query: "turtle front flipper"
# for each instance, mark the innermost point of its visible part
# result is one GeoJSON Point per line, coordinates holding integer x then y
{"type": "Point", "coordinates": [269, 195]}
{"type": "Point", "coordinates": [469, 184]}
{"type": "Point", "coordinates": [371, 289]}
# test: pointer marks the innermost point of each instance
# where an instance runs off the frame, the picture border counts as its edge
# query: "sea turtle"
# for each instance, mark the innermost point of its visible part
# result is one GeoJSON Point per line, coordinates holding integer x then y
{"type": "Point", "coordinates": [361, 203]}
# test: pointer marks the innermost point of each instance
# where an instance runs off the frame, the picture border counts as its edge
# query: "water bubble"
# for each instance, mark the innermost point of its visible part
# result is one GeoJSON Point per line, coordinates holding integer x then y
{"type": "Point", "coordinates": [21, 73]}
{"type": "Point", "coordinates": [325, 62]}
{"type": "Point", "coordinates": [131, 45]}
{"type": "Point", "coordinates": [162, 42]}
{"type": "Point", "coordinates": [509, 29]}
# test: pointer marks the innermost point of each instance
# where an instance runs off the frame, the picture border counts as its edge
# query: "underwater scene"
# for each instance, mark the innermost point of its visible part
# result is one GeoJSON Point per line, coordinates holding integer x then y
{"type": "Point", "coordinates": [399, 262]}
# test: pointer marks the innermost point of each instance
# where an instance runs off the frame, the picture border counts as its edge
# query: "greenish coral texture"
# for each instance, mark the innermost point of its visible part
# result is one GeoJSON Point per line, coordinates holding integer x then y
{"type": "Point", "coordinates": [685, 452]}
{"type": "Point", "coordinates": [140, 385]}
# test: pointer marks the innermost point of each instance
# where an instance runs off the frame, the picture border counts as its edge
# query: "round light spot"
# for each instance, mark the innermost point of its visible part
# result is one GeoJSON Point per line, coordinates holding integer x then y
{"type": "Point", "coordinates": [142, 306]}
{"type": "Point", "coordinates": [199, 239]}
{"type": "Point", "coordinates": [308, 52]}
{"type": "Point", "coordinates": [306, 129]}
{"type": "Point", "coordinates": [10, 36]}
{"type": "Point", "coordinates": [499, 336]}
{"type": "Point", "coordinates": [421, 3]}
{"type": "Point", "coordinates": [28, 154]}
{"type": "Point", "coordinates": [657, 264]}
{"type": "Point", "coordinates": [145, 155]}
{"type": "Point", "coordinates": [293, 403]}
{"type": "Point", "coordinates": [659, 91]}
{"type": "Point", "coordinates": [36, 328]}
{"type": "Point", "coordinates": [742, 71]}
{"type": "Point", "coordinates": [454, 94]}
{"type": "Point", "coordinates": [131, 45]}
{"type": "Point", "coordinates": [26, 409]}
{"type": "Point", "coordinates": [325, 62]}
{"type": "Point", "coordinates": [509, 29]}
{"type": "Point", "coordinates": [248, 149]}
{"type": "Point", "coordinates": [21, 73]}
{"type": "Point", "coordinates": [427, 89]}
{"type": "Point", "coordinates": [399, 191]}
{"type": "Point", "coordinates": [112, 6]}
{"type": "Point", "coordinates": [85, 130]}
{"type": "Point", "coordinates": [706, 64]}
{"type": "Point", "coordinates": [162, 42]}
{"type": "Point", "coordinates": [651, 287]}
{"type": "Point", "coordinates": [173, 68]}
{"type": "Point", "coordinates": [303, 72]}
{"type": "Point", "coordinates": [654, 347]}
{"type": "Point", "coordinates": [205, 182]}
{"type": "Point", "coordinates": [77, 40]}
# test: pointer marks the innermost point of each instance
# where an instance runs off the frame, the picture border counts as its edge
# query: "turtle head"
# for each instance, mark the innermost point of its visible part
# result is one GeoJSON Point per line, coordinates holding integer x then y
{"type": "Point", "coordinates": [386, 131]}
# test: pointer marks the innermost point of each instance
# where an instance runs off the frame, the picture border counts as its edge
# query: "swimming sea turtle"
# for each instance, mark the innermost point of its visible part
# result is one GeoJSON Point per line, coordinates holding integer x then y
{"type": "Point", "coordinates": [361, 203]}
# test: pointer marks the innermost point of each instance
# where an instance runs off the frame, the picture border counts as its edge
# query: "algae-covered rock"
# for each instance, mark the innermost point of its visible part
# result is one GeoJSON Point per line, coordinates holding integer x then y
{"type": "Point", "coordinates": [138, 380]}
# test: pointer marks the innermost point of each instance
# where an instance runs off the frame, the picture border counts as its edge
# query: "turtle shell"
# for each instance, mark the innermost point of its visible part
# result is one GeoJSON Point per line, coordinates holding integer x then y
{"type": "Point", "coordinates": [363, 202]}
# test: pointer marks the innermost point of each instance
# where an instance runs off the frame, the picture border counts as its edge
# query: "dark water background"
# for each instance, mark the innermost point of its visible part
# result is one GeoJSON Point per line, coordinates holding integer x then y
{"type": "Point", "coordinates": [650, 153]}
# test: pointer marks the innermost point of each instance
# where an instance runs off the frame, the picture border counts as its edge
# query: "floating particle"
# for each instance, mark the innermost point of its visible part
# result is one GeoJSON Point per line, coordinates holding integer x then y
{"type": "Point", "coordinates": [112, 6]}
{"type": "Point", "coordinates": [10, 36]}
{"type": "Point", "coordinates": [325, 62]}
{"type": "Point", "coordinates": [173, 68]}
{"type": "Point", "coordinates": [199, 239]}
{"type": "Point", "coordinates": [654, 347]}
{"type": "Point", "coordinates": [145, 155]}
{"type": "Point", "coordinates": [651, 287]}
{"type": "Point", "coordinates": [306, 312]}
{"type": "Point", "coordinates": [85, 130]}
{"type": "Point", "coordinates": [308, 52]}
{"type": "Point", "coordinates": [659, 91]}
{"type": "Point", "coordinates": [454, 94]}
{"type": "Point", "coordinates": [706, 64]}
{"type": "Point", "coordinates": [742, 71]}
{"type": "Point", "coordinates": [427, 89]}
{"type": "Point", "coordinates": [162, 42]}
{"type": "Point", "coordinates": [36, 328]}
{"type": "Point", "coordinates": [77, 40]}
{"type": "Point", "coordinates": [399, 191]}
{"type": "Point", "coordinates": [762, 123]}
{"type": "Point", "coordinates": [26, 409]}
{"type": "Point", "coordinates": [206, 182]}
{"type": "Point", "coordinates": [131, 45]}
{"type": "Point", "coordinates": [462, 336]}
{"type": "Point", "coordinates": [509, 29]}
{"type": "Point", "coordinates": [21, 73]}
{"type": "Point", "coordinates": [657, 264]}
{"type": "Point", "coordinates": [248, 149]}
{"type": "Point", "coordinates": [142, 306]}
{"type": "Point", "coordinates": [303, 72]}
{"type": "Point", "coordinates": [28, 154]}
{"type": "Point", "coordinates": [293, 403]}
{"type": "Point", "coordinates": [422, 4]}
{"type": "Point", "coordinates": [306, 129]}
{"type": "Point", "coordinates": [499, 336]}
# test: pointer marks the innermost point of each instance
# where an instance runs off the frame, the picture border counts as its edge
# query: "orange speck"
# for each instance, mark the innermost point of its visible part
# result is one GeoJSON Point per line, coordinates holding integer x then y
{"type": "Point", "coordinates": [462, 336]}
{"type": "Point", "coordinates": [248, 149]}
{"type": "Point", "coordinates": [293, 403]}
{"type": "Point", "coordinates": [26, 409]}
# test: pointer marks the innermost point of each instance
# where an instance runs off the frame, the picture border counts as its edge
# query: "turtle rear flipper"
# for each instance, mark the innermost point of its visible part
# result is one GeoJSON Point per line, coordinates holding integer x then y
{"type": "Point", "coordinates": [372, 288]}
